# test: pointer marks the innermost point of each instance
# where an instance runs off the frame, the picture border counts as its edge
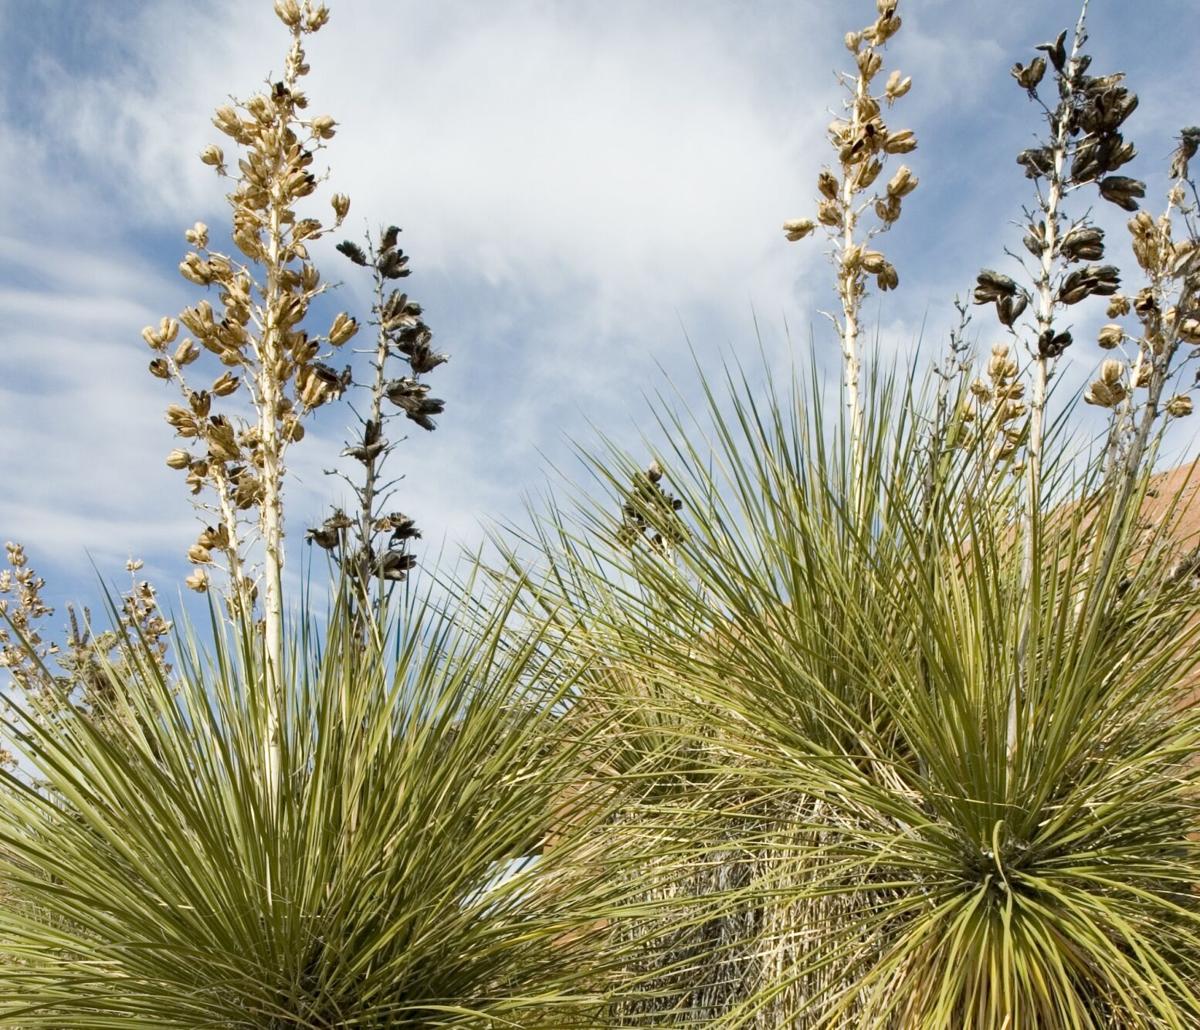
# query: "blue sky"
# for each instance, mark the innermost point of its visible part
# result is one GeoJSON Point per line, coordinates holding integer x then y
{"type": "Point", "coordinates": [584, 188]}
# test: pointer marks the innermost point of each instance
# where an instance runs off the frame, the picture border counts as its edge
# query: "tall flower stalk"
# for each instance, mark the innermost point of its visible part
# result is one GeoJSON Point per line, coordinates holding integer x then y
{"type": "Point", "coordinates": [257, 332]}
{"type": "Point", "coordinates": [1083, 146]}
{"type": "Point", "coordinates": [1167, 250]}
{"type": "Point", "coordinates": [863, 144]}
{"type": "Point", "coordinates": [372, 548]}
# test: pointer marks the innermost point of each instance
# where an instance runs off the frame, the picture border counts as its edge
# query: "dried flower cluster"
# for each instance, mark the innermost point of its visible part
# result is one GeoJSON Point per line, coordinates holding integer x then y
{"type": "Point", "coordinates": [96, 665]}
{"type": "Point", "coordinates": [1166, 312]}
{"type": "Point", "coordinates": [651, 513]}
{"type": "Point", "coordinates": [90, 666]}
{"type": "Point", "coordinates": [997, 409]}
{"type": "Point", "coordinates": [375, 545]}
{"type": "Point", "coordinates": [22, 648]}
{"type": "Point", "coordinates": [255, 329]}
{"type": "Point", "coordinates": [863, 143]}
{"type": "Point", "coordinates": [1084, 147]}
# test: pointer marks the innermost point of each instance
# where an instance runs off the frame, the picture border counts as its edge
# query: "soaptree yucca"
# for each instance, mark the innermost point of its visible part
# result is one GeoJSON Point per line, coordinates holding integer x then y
{"type": "Point", "coordinates": [840, 659]}
{"type": "Point", "coordinates": [392, 876]}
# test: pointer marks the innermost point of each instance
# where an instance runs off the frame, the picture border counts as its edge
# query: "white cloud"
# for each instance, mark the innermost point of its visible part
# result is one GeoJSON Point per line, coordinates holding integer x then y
{"type": "Point", "coordinates": [578, 182]}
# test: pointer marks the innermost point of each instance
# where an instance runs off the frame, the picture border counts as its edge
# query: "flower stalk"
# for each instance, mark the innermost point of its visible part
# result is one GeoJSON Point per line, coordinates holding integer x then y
{"type": "Point", "coordinates": [863, 143]}
{"type": "Point", "coordinates": [256, 331]}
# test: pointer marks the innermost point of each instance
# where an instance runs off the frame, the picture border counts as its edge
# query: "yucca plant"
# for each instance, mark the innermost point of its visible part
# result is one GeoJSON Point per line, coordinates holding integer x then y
{"type": "Point", "coordinates": [393, 876]}
{"type": "Point", "coordinates": [845, 679]}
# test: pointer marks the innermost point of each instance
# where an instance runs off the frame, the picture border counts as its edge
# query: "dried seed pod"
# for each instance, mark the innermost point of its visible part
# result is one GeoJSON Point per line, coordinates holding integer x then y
{"type": "Point", "coordinates": [1105, 395]}
{"type": "Point", "coordinates": [1122, 191]}
{"type": "Point", "coordinates": [1118, 306]}
{"type": "Point", "coordinates": [798, 228]}
{"type": "Point", "coordinates": [179, 459]}
{"type": "Point", "coordinates": [991, 286]}
{"type": "Point", "coordinates": [1179, 406]}
{"type": "Point", "coordinates": [866, 173]}
{"type": "Point", "coordinates": [872, 261]}
{"type": "Point", "coordinates": [1001, 365]}
{"type": "Point", "coordinates": [1189, 330]}
{"type": "Point", "coordinates": [322, 127]}
{"type": "Point", "coordinates": [1110, 336]}
{"type": "Point", "coordinates": [343, 329]}
{"type": "Point", "coordinates": [869, 62]}
{"type": "Point", "coordinates": [214, 537]}
{"type": "Point", "coordinates": [394, 566]}
{"type": "Point", "coordinates": [1189, 142]}
{"type": "Point", "coordinates": [896, 87]}
{"type": "Point", "coordinates": [353, 251]}
{"type": "Point", "coordinates": [393, 264]}
{"type": "Point", "coordinates": [902, 142]}
{"type": "Point", "coordinates": [902, 183]}
{"type": "Point", "coordinates": [226, 384]}
{"type": "Point", "coordinates": [198, 554]}
{"type": "Point", "coordinates": [888, 278]}
{"type": "Point", "coordinates": [226, 119]}
{"type": "Point", "coordinates": [182, 420]}
{"type": "Point", "coordinates": [1028, 78]}
{"type": "Point", "coordinates": [196, 270]}
{"type": "Point", "coordinates": [1099, 280]}
{"type": "Point", "coordinates": [1009, 309]}
{"type": "Point", "coordinates": [197, 235]}
{"type": "Point", "coordinates": [827, 184]}
{"type": "Point", "coordinates": [213, 156]}
{"type": "Point", "coordinates": [201, 402]}
{"type": "Point", "coordinates": [186, 353]}
{"type": "Point", "coordinates": [1056, 51]}
{"type": "Point", "coordinates": [1083, 243]}
{"type": "Point", "coordinates": [1035, 239]}
{"type": "Point", "coordinates": [1145, 304]}
{"type": "Point", "coordinates": [829, 212]}
{"type": "Point", "coordinates": [1112, 371]}
{"type": "Point", "coordinates": [1052, 344]}
{"type": "Point", "coordinates": [288, 12]}
{"type": "Point", "coordinates": [887, 211]}
{"type": "Point", "coordinates": [885, 27]}
{"type": "Point", "coordinates": [197, 581]}
{"type": "Point", "coordinates": [1038, 162]}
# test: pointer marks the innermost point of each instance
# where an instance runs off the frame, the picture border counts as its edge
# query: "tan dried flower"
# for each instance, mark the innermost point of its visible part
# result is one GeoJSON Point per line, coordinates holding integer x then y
{"type": "Point", "coordinates": [226, 384]}
{"type": "Point", "coordinates": [198, 554]}
{"type": "Point", "coordinates": [197, 581]}
{"type": "Point", "coordinates": [343, 329]}
{"type": "Point", "coordinates": [869, 63]}
{"type": "Point", "coordinates": [1179, 406]}
{"type": "Point", "coordinates": [902, 183]}
{"type": "Point", "coordinates": [288, 12]}
{"type": "Point", "coordinates": [902, 142]}
{"type": "Point", "coordinates": [186, 353]}
{"type": "Point", "coordinates": [214, 537]}
{"type": "Point", "coordinates": [896, 87]}
{"type": "Point", "coordinates": [829, 212]}
{"type": "Point", "coordinates": [323, 127]}
{"type": "Point", "coordinates": [799, 228]}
